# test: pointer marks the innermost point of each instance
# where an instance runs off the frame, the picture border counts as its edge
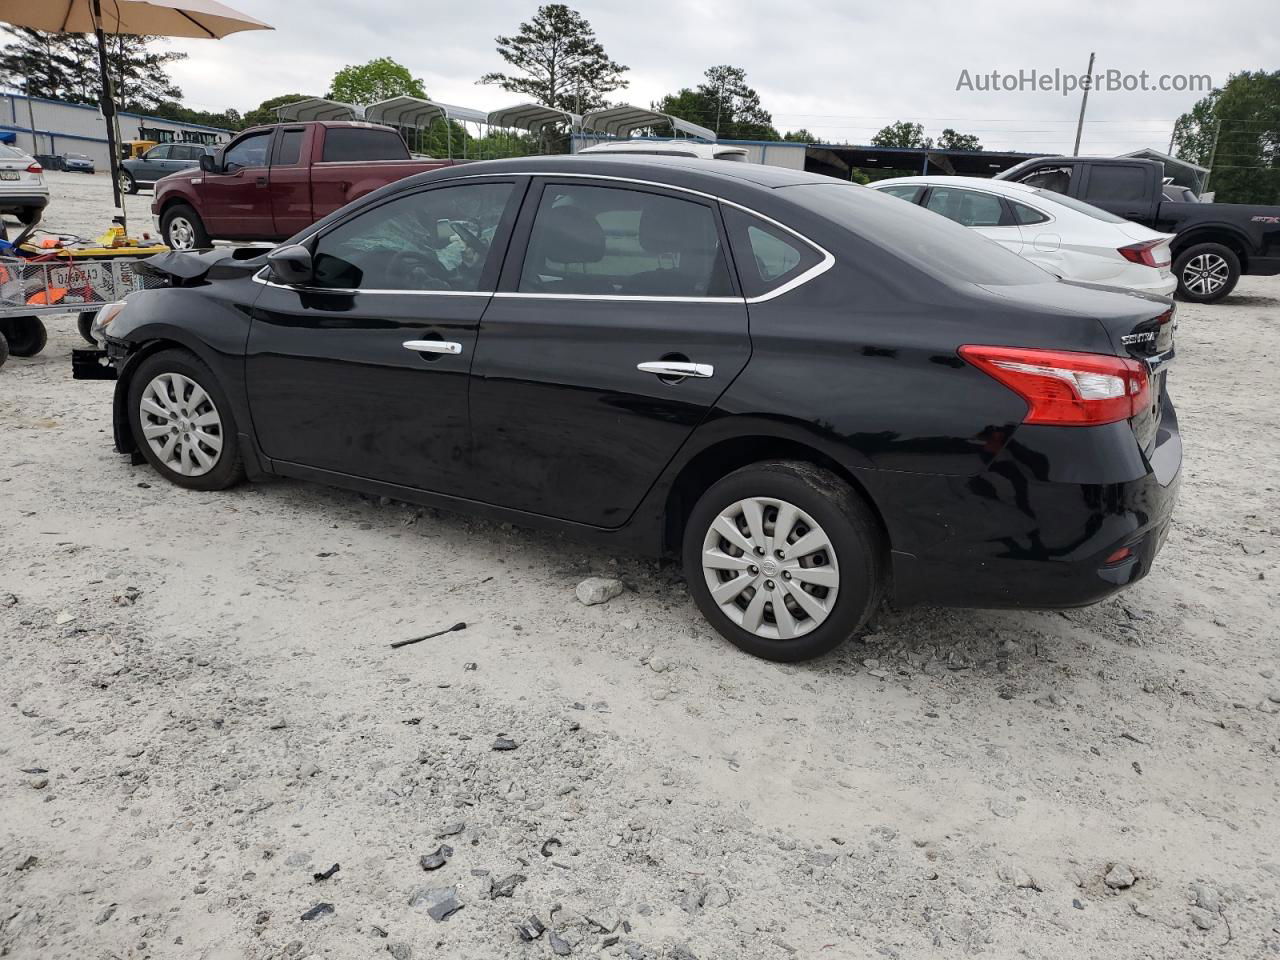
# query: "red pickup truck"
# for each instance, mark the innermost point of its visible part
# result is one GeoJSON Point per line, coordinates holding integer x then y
{"type": "Point", "coordinates": [270, 182]}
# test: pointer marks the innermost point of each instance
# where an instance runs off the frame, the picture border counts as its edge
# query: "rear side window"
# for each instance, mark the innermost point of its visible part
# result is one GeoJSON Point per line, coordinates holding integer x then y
{"type": "Point", "coordinates": [904, 191]}
{"type": "Point", "coordinates": [968, 207]}
{"type": "Point", "coordinates": [289, 148]}
{"type": "Point", "coordinates": [350, 144]}
{"type": "Point", "coordinates": [767, 256]}
{"type": "Point", "coordinates": [1025, 215]}
{"type": "Point", "coordinates": [614, 241]}
{"type": "Point", "coordinates": [1114, 184]}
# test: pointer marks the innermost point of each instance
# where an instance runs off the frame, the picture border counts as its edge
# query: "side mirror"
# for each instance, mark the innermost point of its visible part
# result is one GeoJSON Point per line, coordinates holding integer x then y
{"type": "Point", "coordinates": [291, 264]}
{"type": "Point", "coordinates": [208, 163]}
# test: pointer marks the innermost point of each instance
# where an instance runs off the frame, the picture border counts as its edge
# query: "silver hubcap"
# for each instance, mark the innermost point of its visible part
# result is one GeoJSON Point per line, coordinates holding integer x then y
{"type": "Point", "coordinates": [1205, 274]}
{"type": "Point", "coordinates": [124, 182]}
{"type": "Point", "coordinates": [182, 235]}
{"type": "Point", "coordinates": [181, 424]}
{"type": "Point", "coordinates": [771, 568]}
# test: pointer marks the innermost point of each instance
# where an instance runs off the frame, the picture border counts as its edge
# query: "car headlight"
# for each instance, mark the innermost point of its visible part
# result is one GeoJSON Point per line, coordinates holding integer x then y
{"type": "Point", "coordinates": [102, 320]}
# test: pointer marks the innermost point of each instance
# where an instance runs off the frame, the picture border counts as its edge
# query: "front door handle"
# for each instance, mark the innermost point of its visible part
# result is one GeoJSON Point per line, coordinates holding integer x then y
{"type": "Point", "coordinates": [433, 346]}
{"type": "Point", "coordinates": [674, 368]}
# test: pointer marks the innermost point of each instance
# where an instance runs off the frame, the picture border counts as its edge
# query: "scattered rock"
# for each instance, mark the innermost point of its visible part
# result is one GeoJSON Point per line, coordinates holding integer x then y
{"type": "Point", "coordinates": [1201, 918]}
{"type": "Point", "coordinates": [437, 858]}
{"type": "Point", "coordinates": [1020, 878]}
{"type": "Point", "coordinates": [319, 910]}
{"type": "Point", "coordinates": [558, 946]}
{"type": "Point", "coordinates": [504, 743]}
{"type": "Point", "coordinates": [530, 929]}
{"type": "Point", "coordinates": [401, 951]}
{"type": "Point", "coordinates": [1120, 877]}
{"type": "Point", "coordinates": [326, 874]}
{"type": "Point", "coordinates": [66, 616]}
{"type": "Point", "coordinates": [107, 913]}
{"type": "Point", "coordinates": [451, 830]}
{"type": "Point", "coordinates": [506, 886]}
{"type": "Point", "coordinates": [441, 902]}
{"type": "Point", "coordinates": [596, 590]}
{"type": "Point", "coordinates": [307, 771]}
{"type": "Point", "coordinates": [1206, 897]}
{"type": "Point", "coordinates": [28, 863]}
{"type": "Point", "coordinates": [277, 724]}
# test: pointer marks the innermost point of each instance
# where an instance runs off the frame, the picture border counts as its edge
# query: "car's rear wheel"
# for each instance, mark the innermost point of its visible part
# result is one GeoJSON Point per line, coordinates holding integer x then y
{"type": "Point", "coordinates": [27, 336]}
{"type": "Point", "coordinates": [1206, 272]}
{"type": "Point", "coordinates": [127, 183]}
{"type": "Point", "coordinates": [784, 559]}
{"type": "Point", "coordinates": [183, 229]}
{"type": "Point", "coordinates": [182, 422]}
{"type": "Point", "coordinates": [84, 323]}
{"type": "Point", "coordinates": [4, 349]}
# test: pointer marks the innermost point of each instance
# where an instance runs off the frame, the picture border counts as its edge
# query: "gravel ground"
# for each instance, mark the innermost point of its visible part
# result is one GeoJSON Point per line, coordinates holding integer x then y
{"type": "Point", "coordinates": [202, 713]}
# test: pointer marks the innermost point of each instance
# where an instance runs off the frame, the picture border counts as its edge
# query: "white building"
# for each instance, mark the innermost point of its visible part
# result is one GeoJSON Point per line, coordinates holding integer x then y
{"type": "Point", "coordinates": [55, 127]}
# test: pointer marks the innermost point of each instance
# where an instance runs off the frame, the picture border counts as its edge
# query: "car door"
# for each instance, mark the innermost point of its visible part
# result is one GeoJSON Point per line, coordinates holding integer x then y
{"type": "Point", "coordinates": [290, 182]}
{"type": "Point", "coordinates": [984, 212]}
{"type": "Point", "coordinates": [1125, 190]}
{"type": "Point", "coordinates": [363, 372]}
{"type": "Point", "coordinates": [153, 164]}
{"type": "Point", "coordinates": [616, 327]}
{"type": "Point", "coordinates": [237, 200]}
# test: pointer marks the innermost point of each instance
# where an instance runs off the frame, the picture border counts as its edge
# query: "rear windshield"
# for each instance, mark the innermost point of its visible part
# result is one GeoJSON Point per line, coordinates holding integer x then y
{"type": "Point", "coordinates": [347, 144]}
{"type": "Point", "coordinates": [10, 153]}
{"type": "Point", "coordinates": [924, 239]}
{"type": "Point", "coordinates": [1079, 206]}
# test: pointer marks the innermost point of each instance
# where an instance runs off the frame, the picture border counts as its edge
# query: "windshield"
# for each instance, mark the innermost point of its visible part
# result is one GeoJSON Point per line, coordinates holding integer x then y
{"type": "Point", "coordinates": [926, 240]}
{"type": "Point", "coordinates": [1079, 206]}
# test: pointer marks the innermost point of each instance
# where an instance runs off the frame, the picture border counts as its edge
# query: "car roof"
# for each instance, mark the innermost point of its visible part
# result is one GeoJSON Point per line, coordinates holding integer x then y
{"type": "Point", "coordinates": [1003, 187]}
{"type": "Point", "coordinates": [693, 172]}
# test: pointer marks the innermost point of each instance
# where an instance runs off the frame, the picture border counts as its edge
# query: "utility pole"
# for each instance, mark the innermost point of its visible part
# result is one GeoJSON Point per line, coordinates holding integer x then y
{"type": "Point", "coordinates": [1213, 151]}
{"type": "Point", "coordinates": [1084, 102]}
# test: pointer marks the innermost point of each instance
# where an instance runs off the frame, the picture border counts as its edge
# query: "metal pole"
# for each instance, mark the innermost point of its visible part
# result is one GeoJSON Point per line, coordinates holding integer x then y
{"type": "Point", "coordinates": [108, 111]}
{"type": "Point", "coordinates": [1084, 102]}
{"type": "Point", "coordinates": [1213, 151]}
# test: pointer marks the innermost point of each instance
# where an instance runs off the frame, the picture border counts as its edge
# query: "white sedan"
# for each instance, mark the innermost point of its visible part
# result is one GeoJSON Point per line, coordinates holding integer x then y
{"type": "Point", "coordinates": [1072, 239]}
{"type": "Point", "coordinates": [23, 192]}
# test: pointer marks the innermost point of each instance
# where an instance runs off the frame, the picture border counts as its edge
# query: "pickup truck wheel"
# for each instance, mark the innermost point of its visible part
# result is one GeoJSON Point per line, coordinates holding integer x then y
{"type": "Point", "coordinates": [127, 183]}
{"type": "Point", "coordinates": [1206, 272]}
{"type": "Point", "coordinates": [182, 229]}
{"type": "Point", "coordinates": [26, 335]}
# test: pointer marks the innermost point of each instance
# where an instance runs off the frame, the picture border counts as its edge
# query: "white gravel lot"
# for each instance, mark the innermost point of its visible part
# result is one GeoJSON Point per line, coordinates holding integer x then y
{"type": "Point", "coordinates": [201, 712]}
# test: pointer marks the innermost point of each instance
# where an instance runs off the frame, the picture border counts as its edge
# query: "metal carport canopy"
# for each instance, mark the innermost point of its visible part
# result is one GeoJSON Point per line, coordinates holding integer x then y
{"type": "Point", "coordinates": [416, 112]}
{"type": "Point", "coordinates": [621, 120]}
{"type": "Point", "coordinates": [318, 108]}
{"type": "Point", "coordinates": [532, 117]}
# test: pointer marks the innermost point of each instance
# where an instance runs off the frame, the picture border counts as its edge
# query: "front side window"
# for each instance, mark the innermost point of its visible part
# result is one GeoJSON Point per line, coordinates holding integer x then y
{"type": "Point", "coordinates": [1056, 179]}
{"type": "Point", "coordinates": [435, 240]}
{"type": "Point", "coordinates": [611, 241]}
{"type": "Point", "coordinates": [767, 256]}
{"type": "Point", "coordinates": [249, 152]}
{"type": "Point", "coordinates": [967, 207]}
{"type": "Point", "coordinates": [159, 153]}
{"type": "Point", "coordinates": [903, 191]}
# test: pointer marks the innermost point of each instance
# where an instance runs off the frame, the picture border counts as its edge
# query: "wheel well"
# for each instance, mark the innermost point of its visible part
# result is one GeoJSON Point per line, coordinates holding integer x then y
{"type": "Point", "coordinates": [1228, 240]}
{"type": "Point", "coordinates": [177, 202]}
{"type": "Point", "coordinates": [124, 427]}
{"type": "Point", "coordinates": [723, 458]}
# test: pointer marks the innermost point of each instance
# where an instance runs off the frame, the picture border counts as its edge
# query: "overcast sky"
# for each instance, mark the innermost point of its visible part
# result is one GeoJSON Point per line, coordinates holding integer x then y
{"type": "Point", "coordinates": [822, 64]}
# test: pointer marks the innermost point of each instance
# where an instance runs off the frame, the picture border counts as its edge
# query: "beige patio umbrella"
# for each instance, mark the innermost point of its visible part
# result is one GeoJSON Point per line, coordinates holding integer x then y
{"type": "Point", "coordinates": [157, 18]}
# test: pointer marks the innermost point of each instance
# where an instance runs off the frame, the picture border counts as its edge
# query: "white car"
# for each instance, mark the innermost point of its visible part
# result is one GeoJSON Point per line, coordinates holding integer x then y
{"type": "Point", "coordinates": [671, 148]}
{"type": "Point", "coordinates": [1069, 238]}
{"type": "Point", "coordinates": [23, 192]}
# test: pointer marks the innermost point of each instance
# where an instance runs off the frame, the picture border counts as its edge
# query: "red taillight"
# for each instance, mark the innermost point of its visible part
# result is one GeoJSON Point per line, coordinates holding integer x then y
{"type": "Point", "coordinates": [1147, 253]}
{"type": "Point", "coordinates": [1063, 388]}
{"type": "Point", "coordinates": [1122, 554]}
{"type": "Point", "coordinates": [35, 168]}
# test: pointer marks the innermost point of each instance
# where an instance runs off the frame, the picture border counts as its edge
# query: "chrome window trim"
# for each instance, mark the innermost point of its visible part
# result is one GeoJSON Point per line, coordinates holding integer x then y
{"type": "Point", "coordinates": [819, 268]}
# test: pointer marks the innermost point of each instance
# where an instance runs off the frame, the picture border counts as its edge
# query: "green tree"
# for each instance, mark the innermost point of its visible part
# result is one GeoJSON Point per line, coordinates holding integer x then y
{"type": "Point", "coordinates": [557, 61]}
{"type": "Point", "coordinates": [725, 103]}
{"type": "Point", "coordinates": [1245, 115]}
{"type": "Point", "coordinates": [952, 140]}
{"type": "Point", "coordinates": [265, 112]}
{"type": "Point", "coordinates": [379, 79]}
{"type": "Point", "coordinates": [901, 134]}
{"type": "Point", "coordinates": [800, 136]}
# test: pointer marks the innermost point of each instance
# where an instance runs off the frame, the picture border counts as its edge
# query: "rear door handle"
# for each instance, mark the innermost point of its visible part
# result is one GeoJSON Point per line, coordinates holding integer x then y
{"type": "Point", "coordinates": [433, 346]}
{"type": "Point", "coordinates": [673, 368]}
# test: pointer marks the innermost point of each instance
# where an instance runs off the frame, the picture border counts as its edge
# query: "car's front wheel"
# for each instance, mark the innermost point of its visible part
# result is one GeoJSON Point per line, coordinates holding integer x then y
{"type": "Point", "coordinates": [183, 229]}
{"type": "Point", "coordinates": [182, 421]}
{"type": "Point", "coordinates": [127, 183]}
{"type": "Point", "coordinates": [1206, 272]}
{"type": "Point", "coordinates": [785, 559]}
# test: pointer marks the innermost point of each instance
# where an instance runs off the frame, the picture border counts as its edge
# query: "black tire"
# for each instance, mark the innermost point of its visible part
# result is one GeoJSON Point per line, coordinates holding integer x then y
{"type": "Point", "coordinates": [4, 349]}
{"type": "Point", "coordinates": [27, 336]}
{"type": "Point", "coordinates": [127, 183]}
{"type": "Point", "coordinates": [180, 213]}
{"type": "Point", "coordinates": [842, 514]}
{"type": "Point", "coordinates": [1192, 270]}
{"type": "Point", "coordinates": [228, 468]}
{"type": "Point", "coordinates": [84, 322]}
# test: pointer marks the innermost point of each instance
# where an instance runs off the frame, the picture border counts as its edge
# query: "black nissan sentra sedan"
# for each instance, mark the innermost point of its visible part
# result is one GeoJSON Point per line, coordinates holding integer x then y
{"type": "Point", "coordinates": [818, 396]}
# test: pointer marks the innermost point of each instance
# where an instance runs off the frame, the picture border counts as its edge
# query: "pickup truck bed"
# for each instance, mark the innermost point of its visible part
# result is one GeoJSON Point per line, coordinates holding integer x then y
{"type": "Point", "coordinates": [271, 182]}
{"type": "Point", "coordinates": [1215, 242]}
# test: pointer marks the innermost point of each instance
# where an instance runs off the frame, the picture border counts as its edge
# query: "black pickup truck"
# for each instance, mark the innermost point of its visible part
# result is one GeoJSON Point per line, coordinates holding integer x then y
{"type": "Point", "coordinates": [1214, 242]}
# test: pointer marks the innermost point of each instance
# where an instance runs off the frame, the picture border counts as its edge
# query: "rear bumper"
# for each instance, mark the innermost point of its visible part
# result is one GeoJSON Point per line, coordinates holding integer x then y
{"type": "Point", "coordinates": [1030, 533]}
